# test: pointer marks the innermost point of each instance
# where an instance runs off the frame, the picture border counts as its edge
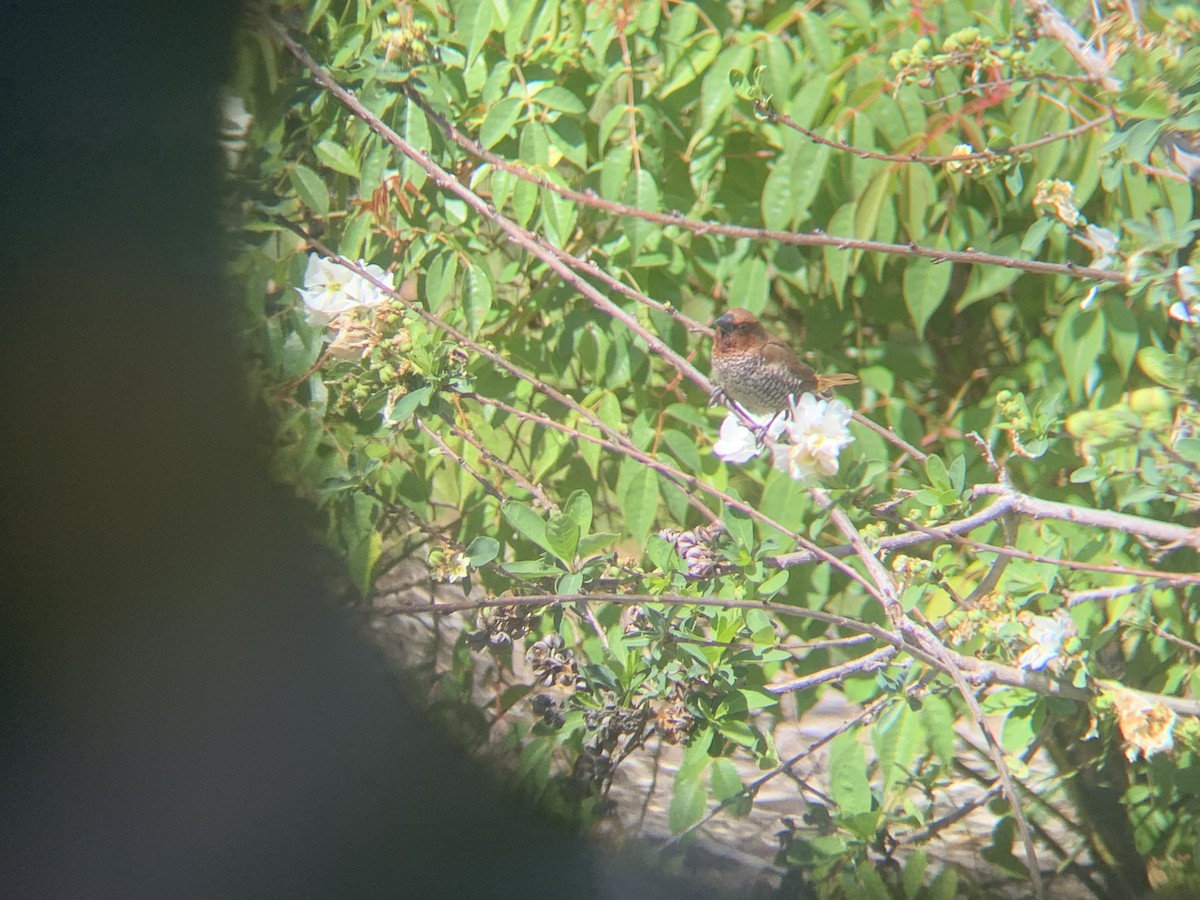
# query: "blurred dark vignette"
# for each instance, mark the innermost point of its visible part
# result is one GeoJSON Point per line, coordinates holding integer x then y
{"type": "Point", "coordinates": [184, 712]}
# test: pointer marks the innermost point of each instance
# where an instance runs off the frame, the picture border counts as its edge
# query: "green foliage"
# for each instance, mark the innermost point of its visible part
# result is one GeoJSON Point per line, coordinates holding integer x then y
{"type": "Point", "coordinates": [519, 410]}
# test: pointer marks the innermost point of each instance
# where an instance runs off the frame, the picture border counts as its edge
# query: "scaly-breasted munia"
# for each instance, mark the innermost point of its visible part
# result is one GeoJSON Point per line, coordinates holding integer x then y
{"type": "Point", "coordinates": [757, 370]}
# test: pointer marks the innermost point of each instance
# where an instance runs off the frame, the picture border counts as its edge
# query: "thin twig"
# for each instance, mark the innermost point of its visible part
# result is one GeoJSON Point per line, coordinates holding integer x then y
{"type": "Point", "coordinates": [1035, 508]}
{"type": "Point", "coordinates": [872, 662]}
{"type": "Point", "coordinates": [1055, 25]}
{"type": "Point", "coordinates": [772, 115]}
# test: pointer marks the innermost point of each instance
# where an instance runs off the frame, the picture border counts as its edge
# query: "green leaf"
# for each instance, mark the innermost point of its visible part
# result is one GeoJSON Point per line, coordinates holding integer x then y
{"type": "Point", "coordinates": [311, 188]}
{"type": "Point", "coordinates": [936, 472]}
{"type": "Point", "coordinates": [716, 91]}
{"type": "Point", "coordinates": [297, 356]}
{"type": "Point", "coordinates": [702, 50]}
{"type": "Point", "coordinates": [528, 524]}
{"type": "Point", "coordinates": [532, 568]}
{"type": "Point", "coordinates": [757, 699]}
{"type": "Point", "coordinates": [594, 543]}
{"type": "Point", "coordinates": [1165, 368]}
{"type": "Point", "coordinates": [897, 741]}
{"type": "Point", "coordinates": [558, 216]}
{"type": "Point", "coordinates": [1078, 340]}
{"type": "Point", "coordinates": [689, 801]}
{"type": "Point", "coordinates": [837, 261]}
{"type": "Point", "coordinates": [914, 874]}
{"type": "Point", "coordinates": [945, 885]}
{"type": "Point", "coordinates": [750, 285]}
{"type": "Point", "coordinates": [918, 191]}
{"type": "Point", "coordinates": [774, 584]}
{"type": "Point", "coordinates": [618, 163]}
{"type": "Point", "coordinates": [407, 405]}
{"type": "Point", "coordinates": [314, 15]}
{"type": "Point", "coordinates": [363, 556]}
{"type": "Point", "coordinates": [483, 550]}
{"type": "Point", "coordinates": [477, 298]}
{"type": "Point", "coordinates": [570, 583]}
{"type": "Point", "coordinates": [726, 782]}
{"type": "Point", "coordinates": [336, 157]}
{"type": "Point", "coordinates": [938, 718]}
{"type": "Point", "coordinates": [562, 537]}
{"type": "Point", "coordinates": [559, 98]}
{"type": "Point", "coordinates": [870, 204]}
{"type": "Point", "coordinates": [1141, 139]}
{"type": "Point", "coordinates": [578, 508]}
{"type": "Point", "coordinates": [414, 128]}
{"type": "Point", "coordinates": [1122, 334]}
{"type": "Point", "coordinates": [683, 448]}
{"type": "Point", "coordinates": [817, 42]}
{"type": "Point", "coordinates": [642, 193]}
{"type": "Point", "coordinates": [925, 286]}
{"type": "Point", "coordinates": [440, 271]}
{"type": "Point", "coordinates": [473, 22]}
{"type": "Point", "coordinates": [988, 281]}
{"type": "Point", "coordinates": [778, 201]}
{"type": "Point", "coordinates": [640, 502]}
{"type": "Point", "coordinates": [848, 783]}
{"type": "Point", "coordinates": [499, 121]}
{"type": "Point", "coordinates": [1036, 235]}
{"type": "Point", "coordinates": [740, 527]}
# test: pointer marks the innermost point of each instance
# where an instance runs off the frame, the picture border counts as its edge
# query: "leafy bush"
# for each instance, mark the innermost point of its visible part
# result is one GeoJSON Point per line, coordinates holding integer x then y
{"type": "Point", "coordinates": [481, 243]}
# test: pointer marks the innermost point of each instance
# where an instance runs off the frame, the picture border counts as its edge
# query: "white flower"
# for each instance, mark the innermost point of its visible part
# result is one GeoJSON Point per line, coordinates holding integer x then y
{"type": "Point", "coordinates": [1147, 727]}
{"type": "Point", "coordinates": [817, 430]}
{"type": "Point", "coordinates": [960, 150]}
{"type": "Point", "coordinates": [1102, 243]}
{"type": "Point", "coordinates": [1188, 288]}
{"type": "Point", "coordinates": [449, 566]}
{"type": "Point", "coordinates": [1183, 313]}
{"type": "Point", "coordinates": [331, 289]}
{"type": "Point", "coordinates": [1058, 195]}
{"type": "Point", "coordinates": [739, 444]}
{"type": "Point", "coordinates": [1047, 635]}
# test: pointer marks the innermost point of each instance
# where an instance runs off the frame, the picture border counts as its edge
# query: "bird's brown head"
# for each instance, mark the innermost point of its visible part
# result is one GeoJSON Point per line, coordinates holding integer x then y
{"type": "Point", "coordinates": [737, 329]}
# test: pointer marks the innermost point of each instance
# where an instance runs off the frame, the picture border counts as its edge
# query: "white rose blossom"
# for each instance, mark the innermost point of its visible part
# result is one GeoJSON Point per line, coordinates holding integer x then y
{"type": "Point", "coordinates": [331, 289]}
{"type": "Point", "coordinates": [739, 444]}
{"type": "Point", "coordinates": [817, 430]}
{"type": "Point", "coordinates": [811, 433]}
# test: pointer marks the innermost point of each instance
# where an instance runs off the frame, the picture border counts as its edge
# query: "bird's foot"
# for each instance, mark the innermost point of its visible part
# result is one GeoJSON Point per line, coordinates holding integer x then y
{"type": "Point", "coordinates": [763, 430]}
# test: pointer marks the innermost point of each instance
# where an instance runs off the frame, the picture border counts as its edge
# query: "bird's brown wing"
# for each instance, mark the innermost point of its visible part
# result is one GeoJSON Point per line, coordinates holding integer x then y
{"type": "Point", "coordinates": [776, 353]}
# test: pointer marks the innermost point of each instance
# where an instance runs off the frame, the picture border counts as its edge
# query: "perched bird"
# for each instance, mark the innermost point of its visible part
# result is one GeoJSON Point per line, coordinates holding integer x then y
{"type": "Point", "coordinates": [757, 370]}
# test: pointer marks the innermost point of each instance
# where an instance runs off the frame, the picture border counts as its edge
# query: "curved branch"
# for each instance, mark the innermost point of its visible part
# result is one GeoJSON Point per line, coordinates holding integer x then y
{"type": "Point", "coordinates": [815, 238]}
{"type": "Point", "coordinates": [773, 115]}
{"type": "Point", "coordinates": [1034, 508]}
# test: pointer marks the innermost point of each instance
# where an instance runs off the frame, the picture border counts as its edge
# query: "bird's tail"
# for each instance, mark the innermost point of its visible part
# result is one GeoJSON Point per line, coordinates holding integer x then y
{"type": "Point", "coordinates": [825, 382]}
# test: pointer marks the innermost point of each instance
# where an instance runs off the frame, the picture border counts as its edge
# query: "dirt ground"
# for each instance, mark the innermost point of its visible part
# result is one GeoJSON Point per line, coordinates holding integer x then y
{"type": "Point", "coordinates": [729, 856]}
